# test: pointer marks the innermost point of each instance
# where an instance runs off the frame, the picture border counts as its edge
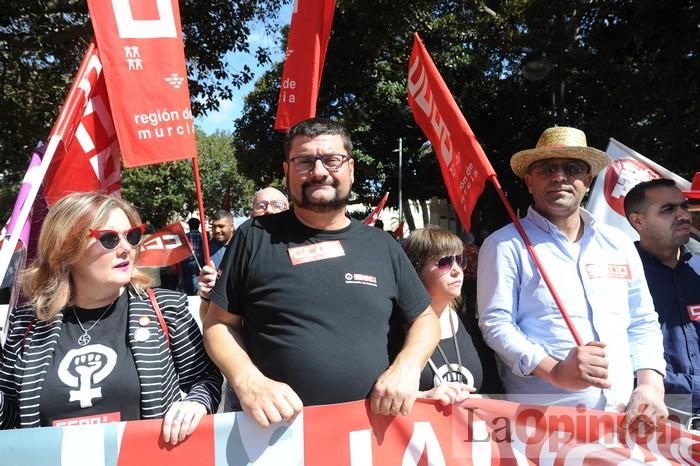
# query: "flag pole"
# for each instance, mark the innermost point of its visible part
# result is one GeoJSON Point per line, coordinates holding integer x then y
{"type": "Point", "coordinates": [540, 267]}
{"type": "Point", "coordinates": [200, 205]}
{"type": "Point", "coordinates": [73, 106]}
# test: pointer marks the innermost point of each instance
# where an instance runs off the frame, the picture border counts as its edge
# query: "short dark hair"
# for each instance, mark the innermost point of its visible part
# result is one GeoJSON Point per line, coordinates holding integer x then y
{"type": "Point", "coordinates": [193, 223]}
{"type": "Point", "coordinates": [317, 127]}
{"type": "Point", "coordinates": [636, 198]}
{"type": "Point", "coordinates": [221, 214]}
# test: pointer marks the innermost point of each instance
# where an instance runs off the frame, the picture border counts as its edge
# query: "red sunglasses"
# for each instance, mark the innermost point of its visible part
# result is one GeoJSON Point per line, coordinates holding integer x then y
{"type": "Point", "coordinates": [109, 239]}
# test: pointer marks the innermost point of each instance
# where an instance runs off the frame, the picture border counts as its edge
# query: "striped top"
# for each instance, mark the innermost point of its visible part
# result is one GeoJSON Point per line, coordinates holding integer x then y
{"type": "Point", "coordinates": [164, 372]}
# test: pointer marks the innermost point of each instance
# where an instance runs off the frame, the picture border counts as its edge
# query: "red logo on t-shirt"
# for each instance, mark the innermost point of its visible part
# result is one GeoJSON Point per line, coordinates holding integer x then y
{"type": "Point", "coordinates": [623, 175]}
{"type": "Point", "coordinates": [88, 420]}
{"type": "Point", "coordinates": [694, 312]}
{"type": "Point", "coordinates": [609, 271]}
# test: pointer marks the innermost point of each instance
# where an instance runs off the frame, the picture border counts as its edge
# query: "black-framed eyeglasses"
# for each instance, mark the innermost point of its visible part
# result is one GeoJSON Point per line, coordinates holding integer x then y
{"type": "Point", "coordinates": [109, 239]}
{"type": "Point", "coordinates": [277, 206]}
{"type": "Point", "coordinates": [331, 162]}
{"type": "Point", "coordinates": [569, 167]}
{"type": "Point", "coordinates": [445, 263]}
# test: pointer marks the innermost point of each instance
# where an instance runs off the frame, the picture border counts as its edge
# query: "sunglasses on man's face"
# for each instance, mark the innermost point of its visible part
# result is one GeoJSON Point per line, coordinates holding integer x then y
{"type": "Point", "coordinates": [445, 263]}
{"type": "Point", "coordinates": [109, 239]}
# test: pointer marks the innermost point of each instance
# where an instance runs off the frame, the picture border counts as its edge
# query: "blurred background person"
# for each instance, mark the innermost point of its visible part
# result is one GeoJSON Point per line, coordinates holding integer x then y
{"type": "Point", "coordinates": [222, 230]}
{"type": "Point", "coordinates": [269, 201]}
{"type": "Point", "coordinates": [90, 343]}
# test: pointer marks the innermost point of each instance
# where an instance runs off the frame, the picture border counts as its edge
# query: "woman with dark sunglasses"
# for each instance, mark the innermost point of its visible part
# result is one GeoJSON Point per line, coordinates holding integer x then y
{"type": "Point", "coordinates": [455, 370]}
{"type": "Point", "coordinates": [93, 344]}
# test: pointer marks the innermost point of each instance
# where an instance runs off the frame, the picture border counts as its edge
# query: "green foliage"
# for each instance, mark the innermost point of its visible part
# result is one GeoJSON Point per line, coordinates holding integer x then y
{"type": "Point", "coordinates": [42, 43]}
{"type": "Point", "coordinates": [625, 69]}
{"type": "Point", "coordinates": [165, 191]}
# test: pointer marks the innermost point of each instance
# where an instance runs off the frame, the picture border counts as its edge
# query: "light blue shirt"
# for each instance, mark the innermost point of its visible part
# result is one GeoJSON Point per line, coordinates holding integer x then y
{"type": "Point", "coordinates": [600, 281]}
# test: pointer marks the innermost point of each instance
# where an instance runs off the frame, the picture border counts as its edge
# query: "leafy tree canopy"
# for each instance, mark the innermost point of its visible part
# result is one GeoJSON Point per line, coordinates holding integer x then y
{"type": "Point", "coordinates": [43, 41]}
{"type": "Point", "coordinates": [622, 68]}
{"type": "Point", "coordinates": [165, 191]}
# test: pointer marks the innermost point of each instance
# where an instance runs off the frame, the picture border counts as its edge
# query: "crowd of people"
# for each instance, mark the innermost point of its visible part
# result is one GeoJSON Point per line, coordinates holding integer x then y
{"type": "Point", "coordinates": [306, 305]}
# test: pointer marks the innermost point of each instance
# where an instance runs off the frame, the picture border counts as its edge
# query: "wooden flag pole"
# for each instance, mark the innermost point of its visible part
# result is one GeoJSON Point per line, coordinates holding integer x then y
{"type": "Point", "coordinates": [540, 267]}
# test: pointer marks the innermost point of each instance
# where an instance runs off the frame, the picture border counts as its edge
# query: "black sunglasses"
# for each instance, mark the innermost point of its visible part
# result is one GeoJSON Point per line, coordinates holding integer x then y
{"type": "Point", "coordinates": [109, 239]}
{"type": "Point", "coordinates": [445, 263]}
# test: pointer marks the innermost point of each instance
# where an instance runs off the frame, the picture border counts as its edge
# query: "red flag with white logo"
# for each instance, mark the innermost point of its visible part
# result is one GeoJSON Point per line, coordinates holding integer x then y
{"type": "Point", "coordinates": [88, 159]}
{"type": "Point", "coordinates": [303, 65]}
{"type": "Point", "coordinates": [463, 163]}
{"type": "Point", "coordinates": [627, 169]}
{"type": "Point", "coordinates": [144, 64]}
{"type": "Point", "coordinates": [372, 217]}
{"type": "Point", "coordinates": [167, 246]}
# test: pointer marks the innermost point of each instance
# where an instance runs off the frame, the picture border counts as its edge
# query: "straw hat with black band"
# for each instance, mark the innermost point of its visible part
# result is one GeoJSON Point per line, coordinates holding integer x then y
{"type": "Point", "coordinates": [560, 142]}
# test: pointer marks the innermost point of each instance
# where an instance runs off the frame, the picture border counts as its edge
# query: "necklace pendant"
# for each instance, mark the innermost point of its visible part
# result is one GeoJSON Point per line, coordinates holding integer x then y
{"type": "Point", "coordinates": [84, 339]}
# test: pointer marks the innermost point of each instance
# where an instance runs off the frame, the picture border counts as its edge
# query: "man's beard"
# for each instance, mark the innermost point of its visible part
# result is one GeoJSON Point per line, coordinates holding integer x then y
{"type": "Point", "coordinates": [337, 203]}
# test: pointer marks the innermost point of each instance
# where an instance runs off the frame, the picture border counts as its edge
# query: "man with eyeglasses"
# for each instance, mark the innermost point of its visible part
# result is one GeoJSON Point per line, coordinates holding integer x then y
{"type": "Point", "coordinates": [597, 273]}
{"type": "Point", "coordinates": [307, 298]}
{"type": "Point", "coordinates": [658, 211]}
{"type": "Point", "coordinates": [269, 201]}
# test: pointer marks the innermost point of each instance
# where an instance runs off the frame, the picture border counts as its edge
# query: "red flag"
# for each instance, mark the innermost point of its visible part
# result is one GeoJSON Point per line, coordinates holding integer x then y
{"type": "Point", "coordinates": [165, 247]}
{"type": "Point", "coordinates": [371, 218]}
{"type": "Point", "coordinates": [303, 65]}
{"type": "Point", "coordinates": [88, 159]}
{"type": "Point", "coordinates": [463, 163]}
{"type": "Point", "coordinates": [143, 55]}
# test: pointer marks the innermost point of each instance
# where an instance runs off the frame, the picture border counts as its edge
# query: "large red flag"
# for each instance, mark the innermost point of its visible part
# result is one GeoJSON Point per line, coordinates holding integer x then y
{"type": "Point", "coordinates": [303, 65]}
{"type": "Point", "coordinates": [165, 247]}
{"type": "Point", "coordinates": [88, 159]}
{"type": "Point", "coordinates": [144, 63]}
{"type": "Point", "coordinates": [463, 163]}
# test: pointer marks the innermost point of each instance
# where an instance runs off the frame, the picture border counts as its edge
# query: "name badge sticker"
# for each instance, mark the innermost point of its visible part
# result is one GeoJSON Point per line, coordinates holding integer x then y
{"type": "Point", "coordinates": [694, 312]}
{"type": "Point", "coordinates": [621, 271]}
{"type": "Point", "coordinates": [316, 252]}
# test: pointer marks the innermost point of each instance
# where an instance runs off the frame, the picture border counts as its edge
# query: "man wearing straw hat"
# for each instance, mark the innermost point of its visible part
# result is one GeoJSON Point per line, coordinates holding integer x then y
{"type": "Point", "coordinates": [658, 211]}
{"type": "Point", "coordinates": [596, 272]}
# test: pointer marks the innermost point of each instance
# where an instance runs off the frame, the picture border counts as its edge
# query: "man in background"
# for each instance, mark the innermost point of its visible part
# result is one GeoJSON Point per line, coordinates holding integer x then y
{"type": "Point", "coordinates": [658, 210]}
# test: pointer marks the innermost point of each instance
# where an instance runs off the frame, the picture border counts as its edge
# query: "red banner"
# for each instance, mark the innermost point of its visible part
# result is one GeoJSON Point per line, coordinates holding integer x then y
{"type": "Point", "coordinates": [303, 65]}
{"type": "Point", "coordinates": [372, 217]}
{"type": "Point", "coordinates": [167, 246]}
{"type": "Point", "coordinates": [476, 432]}
{"type": "Point", "coordinates": [463, 163]}
{"type": "Point", "coordinates": [144, 64]}
{"type": "Point", "coordinates": [88, 158]}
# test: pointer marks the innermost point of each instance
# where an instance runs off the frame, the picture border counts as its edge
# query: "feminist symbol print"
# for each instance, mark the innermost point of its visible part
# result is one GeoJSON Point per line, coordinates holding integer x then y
{"type": "Point", "coordinates": [85, 367]}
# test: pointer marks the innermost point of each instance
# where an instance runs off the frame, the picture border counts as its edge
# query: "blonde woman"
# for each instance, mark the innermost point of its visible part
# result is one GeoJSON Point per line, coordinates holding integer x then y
{"type": "Point", "coordinates": [455, 370]}
{"type": "Point", "coordinates": [93, 344]}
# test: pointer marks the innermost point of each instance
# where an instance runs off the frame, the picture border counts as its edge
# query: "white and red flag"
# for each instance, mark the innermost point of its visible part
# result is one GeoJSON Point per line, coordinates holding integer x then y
{"type": "Point", "coordinates": [165, 247]}
{"type": "Point", "coordinates": [463, 163]}
{"type": "Point", "coordinates": [303, 64]}
{"type": "Point", "coordinates": [88, 157]}
{"type": "Point", "coordinates": [89, 160]}
{"type": "Point", "coordinates": [627, 169]}
{"type": "Point", "coordinates": [374, 215]}
{"type": "Point", "coordinates": [143, 56]}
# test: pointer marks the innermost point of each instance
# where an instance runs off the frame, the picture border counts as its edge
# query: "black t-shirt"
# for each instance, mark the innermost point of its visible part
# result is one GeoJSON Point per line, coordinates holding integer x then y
{"type": "Point", "coordinates": [321, 325]}
{"type": "Point", "coordinates": [445, 360]}
{"type": "Point", "coordinates": [99, 378]}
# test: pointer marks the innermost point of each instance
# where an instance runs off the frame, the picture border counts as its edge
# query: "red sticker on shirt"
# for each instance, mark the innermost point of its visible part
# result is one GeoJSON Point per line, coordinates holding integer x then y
{"type": "Point", "coordinates": [694, 312]}
{"type": "Point", "coordinates": [316, 252]}
{"type": "Point", "coordinates": [88, 420]}
{"type": "Point", "coordinates": [621, 271]}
